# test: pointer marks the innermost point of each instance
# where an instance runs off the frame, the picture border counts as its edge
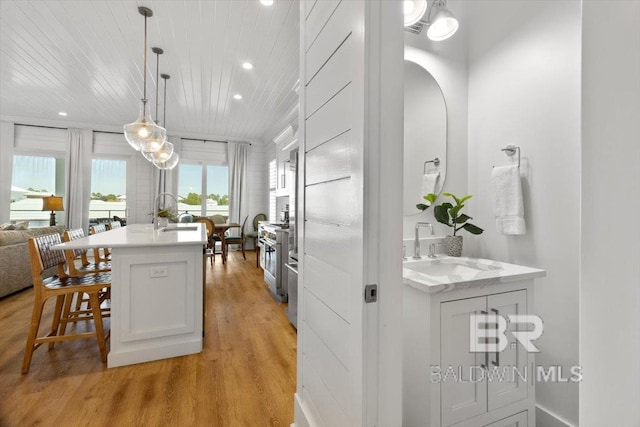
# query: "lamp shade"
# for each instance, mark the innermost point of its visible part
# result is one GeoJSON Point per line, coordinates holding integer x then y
{"type": "Point", "coordinates": [162, 155]}
{"type": "Point", "coordinates": [52, 203]}
{"type": "Point", "coordinates": [413, 11]}
{"type": "Point", "coordinates": [144, 134]}
{"type": "Point", "coordinates": [443, 24]}
{"type": "Point", "coordinates": [168, 164]}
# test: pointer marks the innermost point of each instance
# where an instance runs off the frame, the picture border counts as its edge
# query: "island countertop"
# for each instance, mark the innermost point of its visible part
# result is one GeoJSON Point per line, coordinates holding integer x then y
{"type": "Point", "coordinates": [142, 235]}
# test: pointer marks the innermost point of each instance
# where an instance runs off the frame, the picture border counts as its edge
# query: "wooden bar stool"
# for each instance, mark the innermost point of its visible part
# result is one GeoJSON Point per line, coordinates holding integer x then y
{"type": "Point", "coordinates": [95, 229]}
{"type": "Point", "coordinates": [74, 255]}
{"type": "Point", "coordinates": [63, 288]}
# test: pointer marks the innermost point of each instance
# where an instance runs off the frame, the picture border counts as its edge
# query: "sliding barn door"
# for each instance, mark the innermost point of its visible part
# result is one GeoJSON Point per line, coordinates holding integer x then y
{"type": "Point", "coordinates": [349, 349]}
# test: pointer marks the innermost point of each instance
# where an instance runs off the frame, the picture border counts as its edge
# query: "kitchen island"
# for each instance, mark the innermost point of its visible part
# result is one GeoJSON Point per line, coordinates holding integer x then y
{"type": "Point", "coordinates": [156, 290]}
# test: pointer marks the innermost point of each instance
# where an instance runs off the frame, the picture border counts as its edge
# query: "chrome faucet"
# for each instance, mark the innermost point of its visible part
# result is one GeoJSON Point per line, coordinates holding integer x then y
{"type": "Point", "coordinates": [416, 244]}
{"type": "Point", "coordinates": [155, 207]}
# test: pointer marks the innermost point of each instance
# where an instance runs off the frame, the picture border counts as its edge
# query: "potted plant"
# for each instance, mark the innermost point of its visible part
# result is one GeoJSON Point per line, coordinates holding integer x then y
{"type": "Point", "coordinates": [448, 214]}
{"type": "Point", "coordinates": [429, 198]}
{"type": "Point", "coordinates": [164, 216]}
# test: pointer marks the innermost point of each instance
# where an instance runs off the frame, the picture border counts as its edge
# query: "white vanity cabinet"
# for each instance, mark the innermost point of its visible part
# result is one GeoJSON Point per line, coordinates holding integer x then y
{"type": "Point", "coordinates": [445, 383]}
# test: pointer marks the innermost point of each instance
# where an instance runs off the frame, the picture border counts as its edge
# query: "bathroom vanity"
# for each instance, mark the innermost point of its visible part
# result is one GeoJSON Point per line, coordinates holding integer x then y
{"type": "Point", "coordinates": [447, 380]}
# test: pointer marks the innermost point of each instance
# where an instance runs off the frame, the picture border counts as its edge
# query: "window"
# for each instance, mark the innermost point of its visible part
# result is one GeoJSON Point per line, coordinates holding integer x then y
{"type": "Point", "coordinates": [203, 189]}
{"type": "Point", "coordinates": [33, 178]}
{"type": "Point", "coordinates": [273, 180]}
{"type": "Point", "coordinates": [108, 189]}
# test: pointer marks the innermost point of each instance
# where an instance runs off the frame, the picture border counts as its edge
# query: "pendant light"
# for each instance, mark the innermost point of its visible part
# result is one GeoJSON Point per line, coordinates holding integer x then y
{"type": "Point", "coordinates": [154, 144]}
{"type": "Point", "coordinates": [140, 132]}
{"type": "Point", "coordinates": [166, 158]}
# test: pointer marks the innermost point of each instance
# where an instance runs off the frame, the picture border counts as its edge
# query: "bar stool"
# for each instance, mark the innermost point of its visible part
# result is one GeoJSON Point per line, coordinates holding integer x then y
{"type": "Point", "coordinates": [98, 257]}
{"type": "Point", "coordinates": [63, 288]}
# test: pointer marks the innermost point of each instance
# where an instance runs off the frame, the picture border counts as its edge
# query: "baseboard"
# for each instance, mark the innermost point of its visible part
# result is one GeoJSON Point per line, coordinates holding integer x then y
{"type": "Point", "coordinates": [301, 418]}
{"type": "Point", "coordinates": [545, 418]}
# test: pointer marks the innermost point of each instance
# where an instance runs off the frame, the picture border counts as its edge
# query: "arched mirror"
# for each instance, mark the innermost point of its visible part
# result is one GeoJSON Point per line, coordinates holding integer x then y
{"type": "Point", "coordinates": [425, 136]}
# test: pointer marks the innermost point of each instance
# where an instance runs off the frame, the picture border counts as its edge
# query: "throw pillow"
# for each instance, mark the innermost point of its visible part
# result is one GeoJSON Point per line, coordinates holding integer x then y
{"type": "Point", "coordinates": [7, 226]}
{"type": "Point", "coordinates": [22, 225]}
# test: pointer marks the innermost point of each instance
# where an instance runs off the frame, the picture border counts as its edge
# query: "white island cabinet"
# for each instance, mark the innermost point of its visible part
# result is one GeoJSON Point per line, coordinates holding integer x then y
{"type": "Point", "coordinates": [156, 290]}
{"type": "Point", "coordinates": [447, 381]}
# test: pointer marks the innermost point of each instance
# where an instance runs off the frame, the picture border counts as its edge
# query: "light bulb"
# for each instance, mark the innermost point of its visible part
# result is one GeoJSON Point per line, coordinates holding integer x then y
{"type": "Point", "coordinates": [408, 7]}
{"type": "Point", "coordinates": [143, 132]}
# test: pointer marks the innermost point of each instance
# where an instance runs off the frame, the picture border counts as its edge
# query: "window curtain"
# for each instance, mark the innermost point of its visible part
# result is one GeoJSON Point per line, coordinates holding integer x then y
{"type": "Point", "coordinates": [237, 155]}
{"type": "Point", "coordinates": [7, 134]}
{"type": "Point", "coordinates": [78, 179]}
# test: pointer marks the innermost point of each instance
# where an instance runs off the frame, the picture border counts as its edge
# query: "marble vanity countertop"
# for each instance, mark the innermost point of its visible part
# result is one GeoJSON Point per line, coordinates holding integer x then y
{"type": "Point", "coordinates": [445, 274]}
{"type": "Point", "coordinates": [142, 235]}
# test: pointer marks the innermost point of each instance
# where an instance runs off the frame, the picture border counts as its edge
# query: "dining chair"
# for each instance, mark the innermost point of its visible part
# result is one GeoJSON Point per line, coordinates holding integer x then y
{"type": "Point", "coordinates": [217, 219]}
{"type": "Point", "coordinates": [254, 234]}
{"type": "Point", "coordinates": [63, 288]}
{"type": "Point", "coordinates": [237, 240]}
{"type": "Point", "coordinates": [113, 224]}
{"type": "Point", "coordinates": [211, 244]}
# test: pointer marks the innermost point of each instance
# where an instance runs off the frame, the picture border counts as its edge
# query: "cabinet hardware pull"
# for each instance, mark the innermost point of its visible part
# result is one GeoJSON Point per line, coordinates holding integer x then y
{"type": "Point", "coordinates": [497, 361]}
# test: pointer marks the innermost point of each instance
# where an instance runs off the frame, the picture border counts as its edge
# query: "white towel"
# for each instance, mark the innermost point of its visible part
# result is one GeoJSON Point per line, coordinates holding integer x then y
{"type": "Point", "coordinates": [507, 206]}
{"type": "Point", "coordinates": [429, 183]}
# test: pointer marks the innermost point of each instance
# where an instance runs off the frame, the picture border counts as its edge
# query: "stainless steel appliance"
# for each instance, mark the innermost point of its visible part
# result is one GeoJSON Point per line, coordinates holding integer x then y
{"type": "Point", "coordinates": [274, 247]}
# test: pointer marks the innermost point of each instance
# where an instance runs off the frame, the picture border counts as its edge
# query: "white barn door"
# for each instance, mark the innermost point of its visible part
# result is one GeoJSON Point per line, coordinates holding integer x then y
{"type": "Point", "coordinates": [349, 351]}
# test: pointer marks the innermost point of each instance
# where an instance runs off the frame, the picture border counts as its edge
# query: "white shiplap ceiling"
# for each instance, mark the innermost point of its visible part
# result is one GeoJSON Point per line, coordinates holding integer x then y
{"type": "Point", "coordinates": [85, 58]}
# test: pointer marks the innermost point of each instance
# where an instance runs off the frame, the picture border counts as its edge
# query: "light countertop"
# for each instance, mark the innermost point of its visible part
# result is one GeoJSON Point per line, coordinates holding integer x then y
{"type": "Point", "coordinates": [142, 235]}
{"type": "Point", "coordinates": [443, 273]}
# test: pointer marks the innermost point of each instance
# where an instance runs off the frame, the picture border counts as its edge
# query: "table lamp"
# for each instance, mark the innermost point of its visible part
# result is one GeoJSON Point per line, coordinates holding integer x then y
{"type": "Point", "coordinates": [52, 203]}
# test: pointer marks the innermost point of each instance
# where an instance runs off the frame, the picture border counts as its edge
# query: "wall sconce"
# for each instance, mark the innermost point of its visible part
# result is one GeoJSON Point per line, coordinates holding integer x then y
{"type": "Point", "coordinates": [440, 22]}
{"type": "Point", "coordinates": [53, 204]}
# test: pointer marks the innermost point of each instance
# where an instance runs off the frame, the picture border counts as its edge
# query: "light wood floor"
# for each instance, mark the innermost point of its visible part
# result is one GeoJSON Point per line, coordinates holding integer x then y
{"type": "Point", "coordinates": [245, 375]}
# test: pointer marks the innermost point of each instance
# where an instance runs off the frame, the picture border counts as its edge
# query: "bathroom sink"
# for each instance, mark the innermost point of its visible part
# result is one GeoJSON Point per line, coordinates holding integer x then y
{"type": "Point", "coordinates": [188, 228]}
{"type": "Point", "coordinates": [450, 266]}
{"type": "Point", "coordinates": [447, 273]}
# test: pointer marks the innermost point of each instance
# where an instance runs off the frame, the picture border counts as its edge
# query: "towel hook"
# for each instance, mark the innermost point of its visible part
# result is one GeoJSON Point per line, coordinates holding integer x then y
{"type": "Point", "coordinates": [436, 162]}
{"type": "Point", "coordinates": [510, 150]}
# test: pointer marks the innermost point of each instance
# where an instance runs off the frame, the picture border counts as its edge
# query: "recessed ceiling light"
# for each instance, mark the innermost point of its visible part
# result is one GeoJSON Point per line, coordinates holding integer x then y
{"type": "Point", "coordinates": [266, 2]}
{"type": "Point", "coordinates": [247, 65]}
{"type": "Point", "coordinates": [62, 113]}
{"type": "Point", "coordinates": [237, 96]}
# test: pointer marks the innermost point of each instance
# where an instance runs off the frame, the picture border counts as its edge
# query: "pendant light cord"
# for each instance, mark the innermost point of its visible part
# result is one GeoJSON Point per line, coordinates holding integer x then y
{"type": "Point", "coordinates": [164, 106]}
{"type": "Point", "coordinates": [144, 71]}
{"type": "Point", "coordinates": [157, 85]}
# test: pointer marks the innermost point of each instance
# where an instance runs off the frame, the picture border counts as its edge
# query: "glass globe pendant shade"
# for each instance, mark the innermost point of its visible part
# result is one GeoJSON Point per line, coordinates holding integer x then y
{"type": "Point", "coordinates": [162, 155]}
{"type": "Point", "coordinates": [169, 164]}
{"type": "Point", "coordinates": [144, 134]}
{"type": "Point", "coordinates": [443, 25]}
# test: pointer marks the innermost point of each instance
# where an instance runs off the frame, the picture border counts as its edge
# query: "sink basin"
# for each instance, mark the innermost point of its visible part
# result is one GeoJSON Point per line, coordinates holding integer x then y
{"type": "Point", "coordinates": [450, 266]}
{"type": "Point", "coordinates": [188, 228]}
{"type": "Point", "coordinates": [447, 273]}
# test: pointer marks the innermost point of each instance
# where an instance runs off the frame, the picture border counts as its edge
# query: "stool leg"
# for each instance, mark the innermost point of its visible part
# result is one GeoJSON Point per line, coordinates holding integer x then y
{"type": "Point", "coordinates": [97, 319]}
{"type": "Point", "coordinates": [36, 315]}
{"type": "Point", "coordinates": [55, 322]}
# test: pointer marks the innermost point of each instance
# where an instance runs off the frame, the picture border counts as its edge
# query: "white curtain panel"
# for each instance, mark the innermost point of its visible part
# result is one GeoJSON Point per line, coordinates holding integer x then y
{"type": "Point", "coordinates": [78, 184]}
{"type": "Point", "coordinates": [6, 168]}
{"type": "Point", "coordinates": [237, 154]}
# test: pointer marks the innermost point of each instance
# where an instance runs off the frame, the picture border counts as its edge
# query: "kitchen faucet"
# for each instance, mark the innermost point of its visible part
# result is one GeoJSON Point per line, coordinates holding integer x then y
{"type": "Point", "coordinates": [416, 244]}
{"type": "Point", "coordinates": [155, 207]}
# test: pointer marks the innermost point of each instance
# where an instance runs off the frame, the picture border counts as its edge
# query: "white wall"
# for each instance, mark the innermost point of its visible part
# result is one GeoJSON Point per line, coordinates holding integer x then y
{"type": "Point", "coordinates": [524, 89]}
{"type": "Point", "coordinates": [610, 272]}
{"type": "Point", "coordinates": [447, 63]}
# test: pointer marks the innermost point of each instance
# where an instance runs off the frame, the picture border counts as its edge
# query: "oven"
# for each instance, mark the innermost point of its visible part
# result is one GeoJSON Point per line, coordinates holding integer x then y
{"type": "Point", "coordinates": [274, 250]}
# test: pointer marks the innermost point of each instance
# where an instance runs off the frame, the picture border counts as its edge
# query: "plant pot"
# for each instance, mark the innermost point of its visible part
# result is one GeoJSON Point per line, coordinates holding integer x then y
{"type": "Point", "coordinates": [453, 245]}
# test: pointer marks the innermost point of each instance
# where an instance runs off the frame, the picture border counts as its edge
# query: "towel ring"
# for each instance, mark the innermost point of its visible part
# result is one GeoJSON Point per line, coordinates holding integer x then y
{"type": "Point", "coordinates": [510, 150]}
{"type": "Point", "coordinates": [436, 162]}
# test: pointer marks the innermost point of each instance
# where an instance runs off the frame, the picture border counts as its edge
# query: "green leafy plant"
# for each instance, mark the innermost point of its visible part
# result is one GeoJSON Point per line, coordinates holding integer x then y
{"type": "Point", "coordinates": [429, 198]}
{"type": "Point", "coordinates": [448, 214]}
{"type": "Point", "coordinates": [167, 213]}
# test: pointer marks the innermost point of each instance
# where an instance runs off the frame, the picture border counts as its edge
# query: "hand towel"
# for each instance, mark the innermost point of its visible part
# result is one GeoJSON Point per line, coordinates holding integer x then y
{"type": "Point", "coordinates": [429, 183]}
{"type": "Point", "coordinates": [508, 207]}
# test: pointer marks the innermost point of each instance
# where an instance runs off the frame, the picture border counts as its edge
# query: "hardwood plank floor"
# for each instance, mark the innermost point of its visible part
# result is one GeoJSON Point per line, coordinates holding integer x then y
{"type": "Point", "coordinates": [245, 375]}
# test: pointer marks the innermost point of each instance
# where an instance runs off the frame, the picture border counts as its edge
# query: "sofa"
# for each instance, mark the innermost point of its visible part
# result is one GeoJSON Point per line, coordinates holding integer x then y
{"type": "Point", "coordinates": [15, 265]}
